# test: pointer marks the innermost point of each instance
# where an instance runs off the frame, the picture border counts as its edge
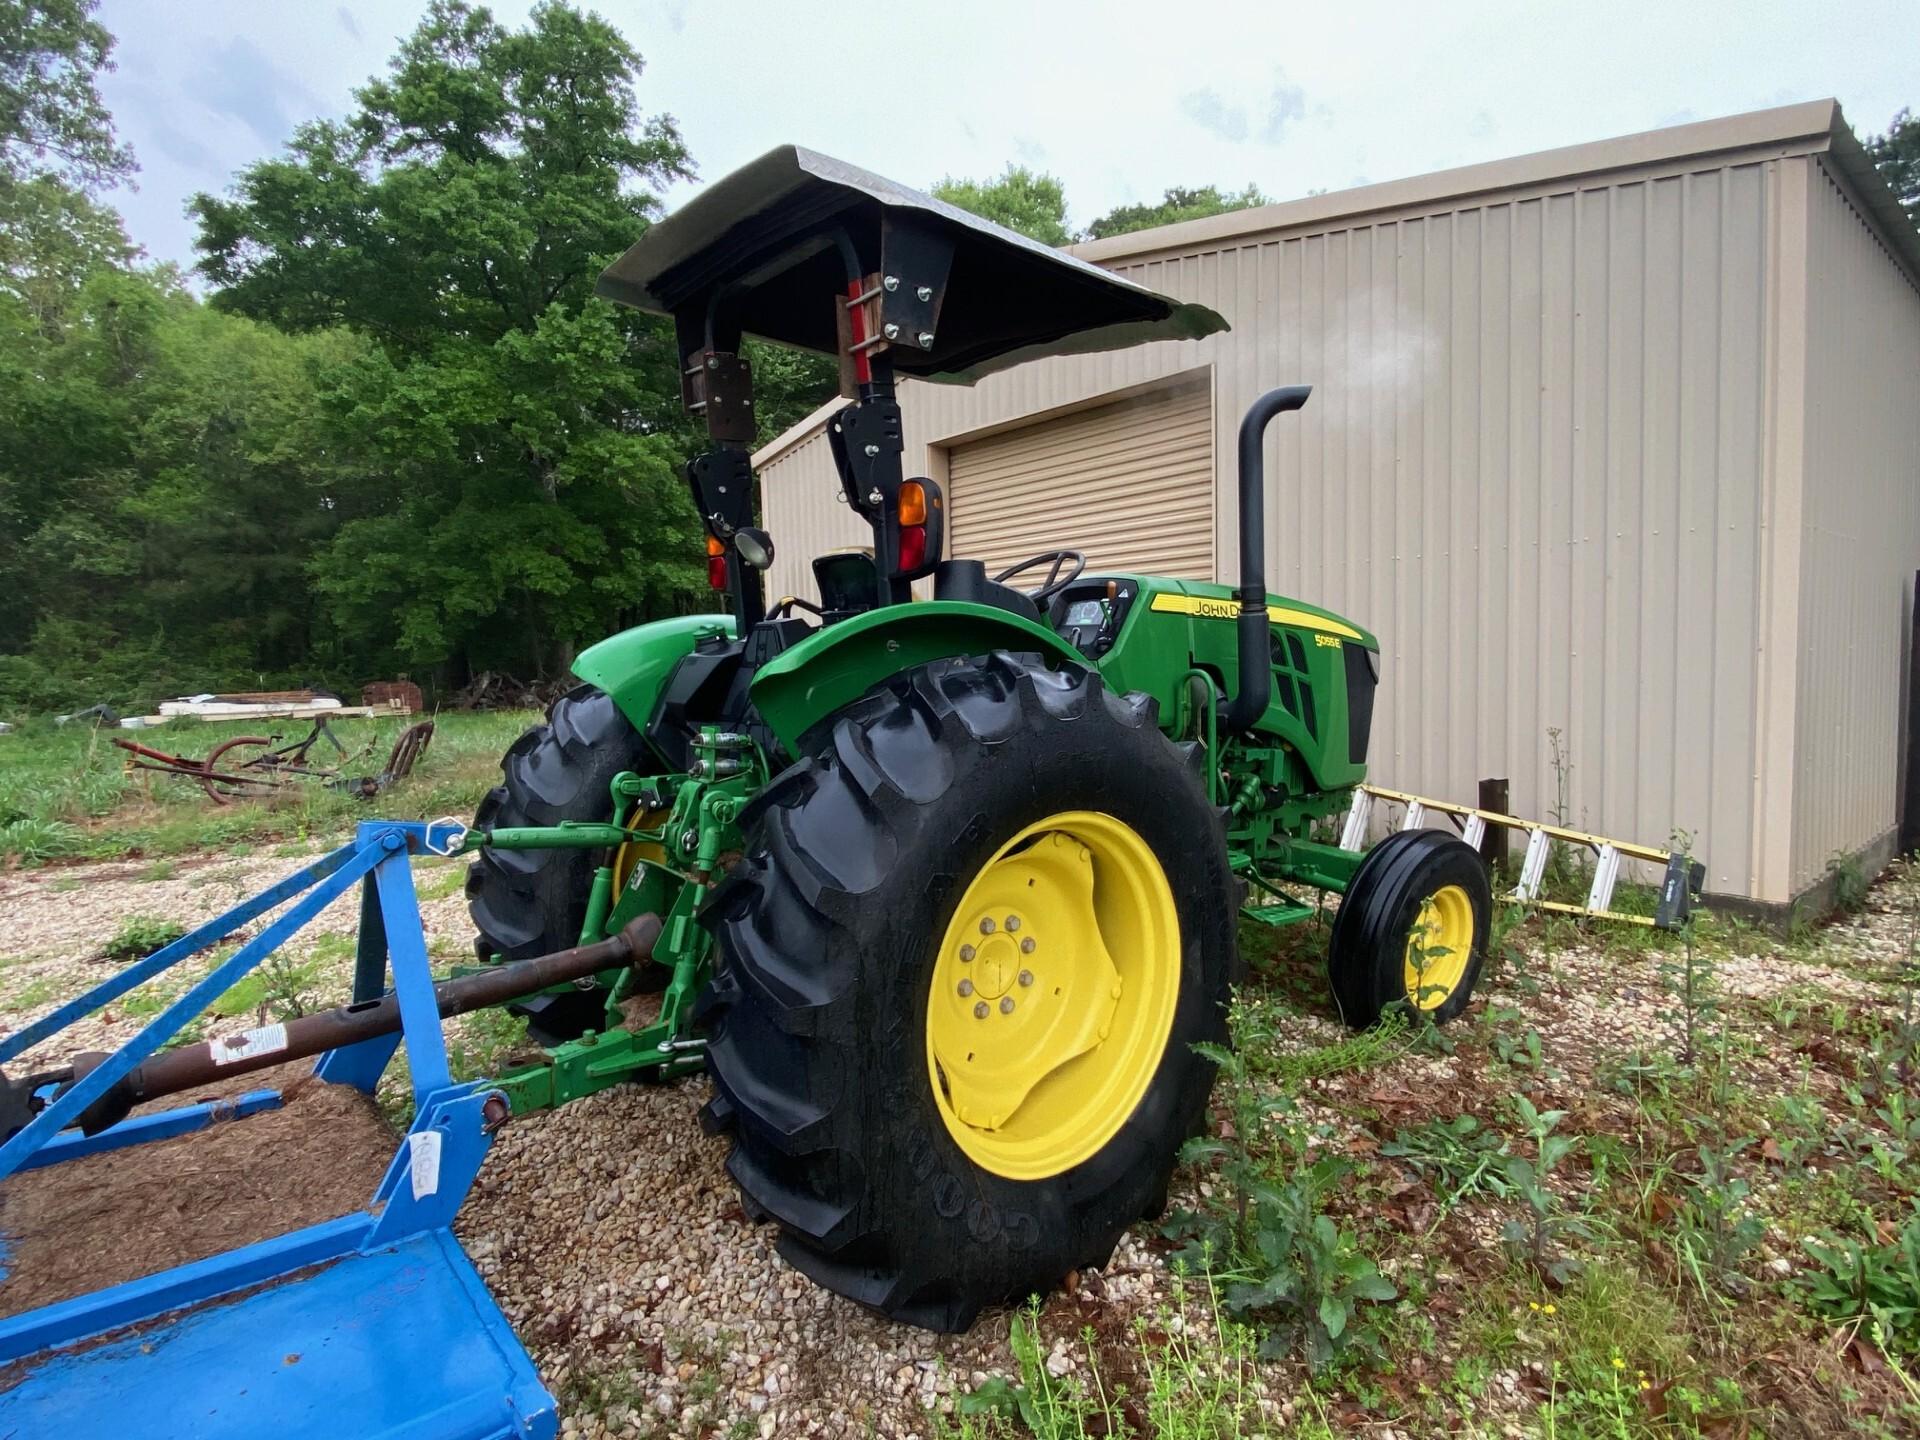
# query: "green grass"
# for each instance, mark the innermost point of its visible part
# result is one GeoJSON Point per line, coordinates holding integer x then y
{"type": "Point", "coordinates": [139, 936]}
{"type": "Point", "coordinates": [65, 794]}
{"type": "Point", "coordinates": [145, 1001]}
{"type": "Point", "coordinates": [32, 995]}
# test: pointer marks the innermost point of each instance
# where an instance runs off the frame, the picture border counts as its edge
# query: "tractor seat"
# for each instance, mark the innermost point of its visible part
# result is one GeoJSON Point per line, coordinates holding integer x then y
{"type": "Point", "coordinates": [967, 580]}
{"type": "Point", "coordinates": [848, 583]}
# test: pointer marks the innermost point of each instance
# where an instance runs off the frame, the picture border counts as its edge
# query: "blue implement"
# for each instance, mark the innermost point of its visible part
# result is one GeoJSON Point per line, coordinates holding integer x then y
{"type": "Point", "coordinates": [374, 1324]}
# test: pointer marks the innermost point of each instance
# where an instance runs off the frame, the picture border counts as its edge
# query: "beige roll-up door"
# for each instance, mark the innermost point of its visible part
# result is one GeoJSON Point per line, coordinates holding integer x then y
{"type": "Point", "coordinates": [1129, 483]}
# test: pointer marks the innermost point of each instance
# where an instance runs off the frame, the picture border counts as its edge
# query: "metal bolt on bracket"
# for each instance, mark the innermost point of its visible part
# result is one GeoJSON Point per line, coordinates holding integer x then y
{"type": "Point", "coordinates": [980, 1010]}
{"type": "Point", "coordinates": [925, 292]}
{"type": "Point", "coordinates": [1026, 946]}
{"type": "Point", "coordinates": [1006, 1004]}
{"type": "Point", "coordinates": [966, 952]}
{"type": "Point", "coordinates": [1026, 977]}
{"type": "Point", "coordinates": [891, 331]}
{"type": "Point", "coordinates": [926, 339]}
{"type": "Point", "coordinates": [892, 282]}
{"type": "Point", "coordinates": [987, 927]}
{"type": "Point", "coordinates": [1013, 923]}
{"type": "Point", "coordinates": [872, 449]}
{"type": "Point", "coordinates": [966, 987]}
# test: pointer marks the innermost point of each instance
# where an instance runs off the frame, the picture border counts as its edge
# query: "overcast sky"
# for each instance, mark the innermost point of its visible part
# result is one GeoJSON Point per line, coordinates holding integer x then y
{"type": "Point", "coordinates": [1120, 100]}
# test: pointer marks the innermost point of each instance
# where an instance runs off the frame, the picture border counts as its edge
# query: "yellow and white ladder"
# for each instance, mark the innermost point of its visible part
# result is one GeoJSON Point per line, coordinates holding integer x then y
{"type": "Point", "coordinates": [1678, 890]}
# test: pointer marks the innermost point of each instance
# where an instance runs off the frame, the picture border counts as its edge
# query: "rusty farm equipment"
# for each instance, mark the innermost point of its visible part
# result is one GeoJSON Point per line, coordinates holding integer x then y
{"type": "Point", "coordinates": [253, 767]}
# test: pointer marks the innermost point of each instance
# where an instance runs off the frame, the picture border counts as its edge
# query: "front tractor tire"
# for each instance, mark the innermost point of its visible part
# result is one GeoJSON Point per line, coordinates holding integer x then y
{"type": "Point", "coordinates": [533, 902]}
{"type": "Point", "coordinates": [1411, 931]}
{"type": "Point", "coordinates": [960, 978]}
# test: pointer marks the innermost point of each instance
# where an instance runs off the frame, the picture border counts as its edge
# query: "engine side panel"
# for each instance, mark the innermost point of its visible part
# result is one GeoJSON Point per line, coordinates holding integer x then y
{"type": "Point", "coordinates": [1324, 667]}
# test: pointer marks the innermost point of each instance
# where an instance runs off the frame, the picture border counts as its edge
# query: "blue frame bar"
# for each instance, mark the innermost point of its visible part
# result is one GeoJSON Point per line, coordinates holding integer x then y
{"type": "Point", "coordinates": [418, 1196]}
{"type": "Point", "coordinates": [153, 1295]}
{"type": "Point", "coordinates": [408, 1223]}
{"type": "Point", "coordinates": [211, 933]}
{"type": "Point", "coordinates": [223, 977]}
{"type": "Point", "coordinates": [138, 1129]}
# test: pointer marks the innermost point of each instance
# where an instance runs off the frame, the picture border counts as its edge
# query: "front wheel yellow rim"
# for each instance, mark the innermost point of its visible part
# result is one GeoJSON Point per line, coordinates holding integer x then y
{"type": "Point", "coordinates": [1439, 946]}
{"type": "Point", "coordinates": [1053, 994]}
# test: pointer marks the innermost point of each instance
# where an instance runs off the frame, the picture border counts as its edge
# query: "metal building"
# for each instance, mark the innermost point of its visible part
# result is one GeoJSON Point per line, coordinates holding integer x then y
{"type": "Point", "coordinates": [1616, 447]}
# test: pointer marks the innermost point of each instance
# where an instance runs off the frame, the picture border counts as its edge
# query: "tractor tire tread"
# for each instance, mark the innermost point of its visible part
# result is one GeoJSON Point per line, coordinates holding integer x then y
{"type": "Point", "coordinates": [532, 902]}
{"type": "Point", "coordinates": [803, 1016]}
{"type": "Point", "coordinates": [1366, 953]}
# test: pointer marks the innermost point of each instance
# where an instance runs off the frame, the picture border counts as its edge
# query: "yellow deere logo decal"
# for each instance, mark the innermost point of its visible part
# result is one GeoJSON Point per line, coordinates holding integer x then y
{"type": "Point", "coordinates": [1208, 608]}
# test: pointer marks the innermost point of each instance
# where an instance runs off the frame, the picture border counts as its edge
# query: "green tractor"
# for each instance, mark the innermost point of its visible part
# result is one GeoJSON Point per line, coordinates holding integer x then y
{"type": "Point", "coordinates": [950, 886]}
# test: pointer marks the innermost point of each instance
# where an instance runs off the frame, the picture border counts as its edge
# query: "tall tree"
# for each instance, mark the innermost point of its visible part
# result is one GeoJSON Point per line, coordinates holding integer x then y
{"type": "Point", "coordinates": [166, 471]}
{"type": "Point", "coordinates": [52, 238]}
{"type": "Point", "coordinates": [1029, 202]}
{"type": "Point", "coordinates": [52, 120]}
{"type": "Point", "coordinates": [525, 435]}
{"type": "Point", "coordinates": [57, 152]}
{"type": "Point", "coordinates": [1176, 205]}
{"type": "Point", "coordinates": [1897, 153]}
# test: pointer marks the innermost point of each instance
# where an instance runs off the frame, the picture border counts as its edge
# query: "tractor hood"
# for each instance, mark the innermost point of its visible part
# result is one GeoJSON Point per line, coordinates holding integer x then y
{"type": "Point", "coordinates": [772, 239]}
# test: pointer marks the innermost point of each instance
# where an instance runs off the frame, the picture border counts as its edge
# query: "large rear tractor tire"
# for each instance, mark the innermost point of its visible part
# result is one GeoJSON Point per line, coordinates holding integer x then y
{"type": "Point", "coordinates": [960, 976]}
{"type": "Point", "coordinates": [533, 902]}
{"type": "Point", "coordinates": [1411, 932]}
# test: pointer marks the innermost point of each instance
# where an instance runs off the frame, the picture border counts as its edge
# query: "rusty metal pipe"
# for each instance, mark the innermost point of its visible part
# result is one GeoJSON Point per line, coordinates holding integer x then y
{"type": "Point", "coordinates": [229, 1055]}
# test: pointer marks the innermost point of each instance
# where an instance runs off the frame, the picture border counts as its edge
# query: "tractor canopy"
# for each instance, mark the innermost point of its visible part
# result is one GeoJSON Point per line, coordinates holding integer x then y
{"type": "Point", "coordinates": [757, 251]}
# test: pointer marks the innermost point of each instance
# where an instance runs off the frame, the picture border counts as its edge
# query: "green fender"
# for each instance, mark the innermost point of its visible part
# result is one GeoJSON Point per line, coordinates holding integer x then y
{"type": "Point", "coordinates": [633, 665]}
{"type": "Point", "coordinates": [803, 686]}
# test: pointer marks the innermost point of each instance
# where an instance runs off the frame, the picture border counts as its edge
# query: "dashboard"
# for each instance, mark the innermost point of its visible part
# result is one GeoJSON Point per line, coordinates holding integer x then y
{"type": "Point", "coordinates": [1089, 613]}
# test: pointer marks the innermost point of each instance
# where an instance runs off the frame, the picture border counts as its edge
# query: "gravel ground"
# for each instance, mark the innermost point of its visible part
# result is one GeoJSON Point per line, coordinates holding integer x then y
{"type": "Point", "coordinates": [613, 1238]}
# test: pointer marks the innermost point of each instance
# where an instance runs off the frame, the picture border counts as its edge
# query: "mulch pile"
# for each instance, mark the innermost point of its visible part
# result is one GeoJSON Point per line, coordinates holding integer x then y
{"type": "Point", "coordinates": [86, 1224]}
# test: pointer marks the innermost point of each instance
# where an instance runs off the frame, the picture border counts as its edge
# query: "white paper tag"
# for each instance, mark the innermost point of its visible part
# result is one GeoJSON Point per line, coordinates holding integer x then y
{"type": "Point", "coordinates": [267, 1040]}
{"type": "Point", "coordinates": [424, 1162]}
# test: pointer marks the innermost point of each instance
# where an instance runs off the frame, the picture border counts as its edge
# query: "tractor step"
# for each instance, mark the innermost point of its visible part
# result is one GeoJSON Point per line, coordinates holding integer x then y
{"type": "Point", "coordinates": [1681, 879]}
{"type": "Point", "coordinates": [1285, 912]}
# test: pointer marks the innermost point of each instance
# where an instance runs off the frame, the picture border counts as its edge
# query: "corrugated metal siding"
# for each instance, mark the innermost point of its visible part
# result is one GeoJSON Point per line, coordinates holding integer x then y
{"type": "Point", "coordinates": [1131, 484]}
{"type": "Point", "coordinates": [1861, 541]}
{"type": "Point", "coordinates": [1533, 464]}
{"type": "Point", "coordinates": [801, 505]}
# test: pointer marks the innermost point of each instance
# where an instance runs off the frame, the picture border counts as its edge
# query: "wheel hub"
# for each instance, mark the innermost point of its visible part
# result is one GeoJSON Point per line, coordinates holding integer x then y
{"type": "Point", "coordinates": [996, 965]}
{"type": "Point", "coordinates": [1439, 946]}
{"type": "Point", "coordinates": [1052, 994]}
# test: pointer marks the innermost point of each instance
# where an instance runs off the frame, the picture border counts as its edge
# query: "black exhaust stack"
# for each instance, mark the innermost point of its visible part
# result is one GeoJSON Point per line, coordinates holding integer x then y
{"type": "Point", "coordinates": [1256, 665]}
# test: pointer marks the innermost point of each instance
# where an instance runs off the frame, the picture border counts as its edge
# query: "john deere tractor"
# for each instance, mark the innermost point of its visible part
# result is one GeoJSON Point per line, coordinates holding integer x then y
{"type": "Point", "coordinates": [950, 886]}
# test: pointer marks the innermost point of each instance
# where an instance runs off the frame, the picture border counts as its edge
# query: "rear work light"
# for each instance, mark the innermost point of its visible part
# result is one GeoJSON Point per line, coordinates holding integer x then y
{"type": "Point", "coordinates": [716, 562]}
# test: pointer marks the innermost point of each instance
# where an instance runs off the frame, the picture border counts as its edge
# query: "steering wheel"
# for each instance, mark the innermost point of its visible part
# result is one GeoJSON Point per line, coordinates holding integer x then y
{"type": "Point", "coordinates": [1055, 581]}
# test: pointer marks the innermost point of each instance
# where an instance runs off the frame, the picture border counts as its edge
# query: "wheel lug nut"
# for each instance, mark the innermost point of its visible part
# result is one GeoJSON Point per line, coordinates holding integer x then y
{"type": "Point", "coordinates": [1013, 923]}
{"type": "Point", "coordinates": [1006, 1004]}
{"type": "Point", "coordinates": [1026, 978]}
{"type": "Point", "coordinates": [966, 952]}
{"type": "Point", "coordinates": [966, 987]}
{"type": "Point", "coordinates": [980, 1011]}
{"type": "Point", "coordinates": [986, 926]}
{"type": "Point", "coordinates": [1026, 946]}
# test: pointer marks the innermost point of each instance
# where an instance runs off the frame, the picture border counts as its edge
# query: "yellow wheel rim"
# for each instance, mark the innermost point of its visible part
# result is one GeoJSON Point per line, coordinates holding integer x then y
{"type": "Point", "coordinates": [1053, 994]}
{"type": "Point", "coordinates": [627, 858]}
{"type": "Point", "coordinates": [1439, 946]}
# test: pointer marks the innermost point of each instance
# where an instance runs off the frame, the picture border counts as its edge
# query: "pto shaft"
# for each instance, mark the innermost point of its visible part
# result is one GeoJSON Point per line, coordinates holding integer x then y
{"type": "Point", "coordinates": [230, 1055]}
